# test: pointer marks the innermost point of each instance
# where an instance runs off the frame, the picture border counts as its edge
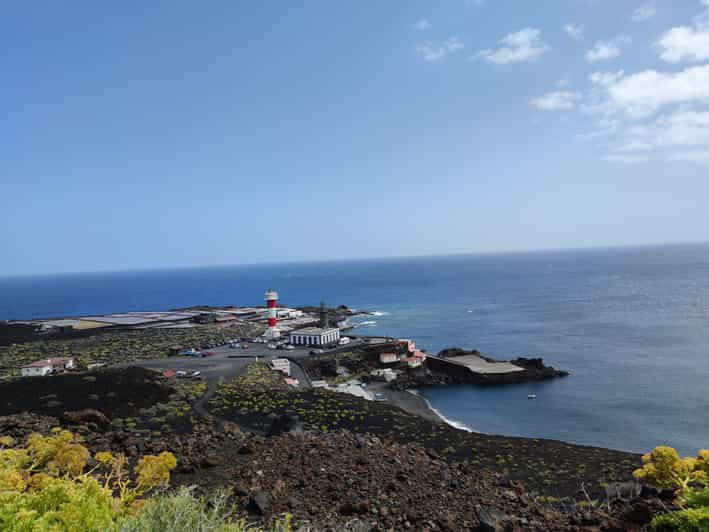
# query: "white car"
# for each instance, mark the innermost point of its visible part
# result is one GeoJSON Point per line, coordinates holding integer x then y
{"type": "Point", "coordinates": [271, 346]}
{"type": "Point", "coordinates": [289, 347]}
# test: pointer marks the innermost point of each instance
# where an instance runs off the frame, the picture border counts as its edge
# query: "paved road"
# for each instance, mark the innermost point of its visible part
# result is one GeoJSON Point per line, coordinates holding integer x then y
{"type": "Point", "coordinates": [227, 363]}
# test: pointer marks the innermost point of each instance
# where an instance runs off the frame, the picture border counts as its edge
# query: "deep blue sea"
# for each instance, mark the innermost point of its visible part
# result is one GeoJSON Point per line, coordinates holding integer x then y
{"type": "Point", "coordinates": [631, 325]}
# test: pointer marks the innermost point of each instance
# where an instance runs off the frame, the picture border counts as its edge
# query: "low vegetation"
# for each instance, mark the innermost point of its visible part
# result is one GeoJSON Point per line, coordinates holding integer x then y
{"type": "Point", "coordinates": [545, 467]}
{"type": "Point", "coordinates": [689, 478]}
{"type": "Point", "coordinates": [112, 347]}
{"type": "Point", "coordinates": [53, 483]}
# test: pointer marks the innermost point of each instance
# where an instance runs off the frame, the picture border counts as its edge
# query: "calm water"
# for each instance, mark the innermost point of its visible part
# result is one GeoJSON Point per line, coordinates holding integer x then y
{"type": "Point", "coordinates": [632, 326]}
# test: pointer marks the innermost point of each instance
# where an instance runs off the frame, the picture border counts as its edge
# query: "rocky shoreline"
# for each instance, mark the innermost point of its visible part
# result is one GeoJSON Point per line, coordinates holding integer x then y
{"type": "Point", "coordinates": [438, 373]}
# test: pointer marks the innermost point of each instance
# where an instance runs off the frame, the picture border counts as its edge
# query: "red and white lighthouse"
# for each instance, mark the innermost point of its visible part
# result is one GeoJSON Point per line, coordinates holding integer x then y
{"type": "Point", "coordinates": [272, 331]}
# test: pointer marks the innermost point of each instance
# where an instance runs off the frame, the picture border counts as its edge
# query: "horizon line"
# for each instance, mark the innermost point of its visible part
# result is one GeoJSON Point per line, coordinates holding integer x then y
{"type": "Point", "coordinates": [359, 259]}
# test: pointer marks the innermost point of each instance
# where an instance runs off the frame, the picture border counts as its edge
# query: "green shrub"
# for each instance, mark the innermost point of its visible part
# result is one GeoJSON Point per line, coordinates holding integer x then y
{"type": "Point", "coordinates": [43, 485]}
{"type": "Point", "coordinates": [183, 512]}
{"type": "Point", "coordinates": [687, 520]}
{"type": "Point", "coordinates": [690, 478]}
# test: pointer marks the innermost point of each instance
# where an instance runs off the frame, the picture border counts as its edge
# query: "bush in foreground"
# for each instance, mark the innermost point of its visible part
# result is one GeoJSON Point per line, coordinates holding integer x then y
{"type": "Point", "coordinates": [183, 511]}
{"type": "Point", "coordinates": [44, 485]}
{"type": "Point", "coordinates": [689, 477]}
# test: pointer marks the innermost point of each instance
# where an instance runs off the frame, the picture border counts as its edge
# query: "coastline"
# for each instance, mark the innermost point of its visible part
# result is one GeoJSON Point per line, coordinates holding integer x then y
{"type": "Point", "coordinates": [453, 423]}
{"type": "Point", "coordinates": [411, 401]}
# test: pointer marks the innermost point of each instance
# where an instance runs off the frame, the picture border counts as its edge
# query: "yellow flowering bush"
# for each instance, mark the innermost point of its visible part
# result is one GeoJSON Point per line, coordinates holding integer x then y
{"type": "Point", "coordinates": [44, 484]}
{"type": "Point", "coordinates": [663, 468]}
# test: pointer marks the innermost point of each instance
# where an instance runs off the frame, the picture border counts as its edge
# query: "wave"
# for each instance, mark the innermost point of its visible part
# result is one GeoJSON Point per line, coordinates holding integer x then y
{"type": "Point", "coordinates": [378, 313]}
{"type": "Point", "coordinates": [453, 423]}
{"type": "Point", "coordinates": [370, 323]}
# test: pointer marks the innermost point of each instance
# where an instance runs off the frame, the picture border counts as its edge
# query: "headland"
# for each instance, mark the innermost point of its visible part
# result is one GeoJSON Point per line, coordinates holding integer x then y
{"type": "Point", "coordinates": [284, 425]}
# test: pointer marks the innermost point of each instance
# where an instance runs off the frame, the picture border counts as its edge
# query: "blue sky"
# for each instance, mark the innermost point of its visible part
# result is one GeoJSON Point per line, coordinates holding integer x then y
{"type": "Point", "coordinates": [160, 134]}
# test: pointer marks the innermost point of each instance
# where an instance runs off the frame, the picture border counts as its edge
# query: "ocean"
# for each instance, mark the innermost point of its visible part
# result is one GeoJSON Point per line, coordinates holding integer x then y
{"type": "Point", "coordinates": [631, 325]}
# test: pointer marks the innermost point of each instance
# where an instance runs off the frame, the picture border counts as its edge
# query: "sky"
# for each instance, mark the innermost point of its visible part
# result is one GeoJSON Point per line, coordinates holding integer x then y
{"type": "Point", "coordinates": [174, 134]}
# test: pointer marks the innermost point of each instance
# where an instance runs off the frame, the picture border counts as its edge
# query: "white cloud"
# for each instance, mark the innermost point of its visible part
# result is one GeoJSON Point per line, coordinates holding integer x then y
{"type": "Point", "coordinates": [421, 25]}
{"type": "Point", "coordinates": [524, 45]}
{"type": "Point", "coordinates": [680, 135]}
{"type": "Point", "coordinates": [634, 145]}
{"type": "Point", "coordinates": [627, 159]}
{"type": "Point", "coordinates": [645, 12]}
{"type": "Point", "coordinates": [642, 94]}
{"type": "Point", "coordinates": [606, 50]}
{"type": "Point", "coordinates": [431, 51]}
{"type": "Point", "coordinates": [685, 43]}
{"type": "Point", "coordinates": [695, 156]}
{"type": "Point", "coordinates": [556, 101]}
{"type": "Point", "coordinates": [574, 31]}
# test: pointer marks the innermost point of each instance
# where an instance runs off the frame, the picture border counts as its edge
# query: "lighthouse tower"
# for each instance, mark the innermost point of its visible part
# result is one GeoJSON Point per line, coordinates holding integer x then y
{"type": "Point", "coordinates": [272, 332]}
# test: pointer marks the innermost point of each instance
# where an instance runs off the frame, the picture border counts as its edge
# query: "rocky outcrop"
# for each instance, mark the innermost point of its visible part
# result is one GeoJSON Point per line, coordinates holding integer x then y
{"type": "Point", "coordinates": [327, 479]}
{"type": "Point", "coordinates": [335, 478]}
{"type": "Point", "coordinates": [536, 370]}
{"type": "Point", "coordinates": [439, 371]}
{"type": "Point", "coordinates": [86, 416]}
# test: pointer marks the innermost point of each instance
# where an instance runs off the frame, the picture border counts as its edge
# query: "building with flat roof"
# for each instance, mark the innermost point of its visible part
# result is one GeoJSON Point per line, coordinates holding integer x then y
{"type": "Point", "coordinates": [315, 336]}
{"type": "Point", "coordinates": [280, 364]}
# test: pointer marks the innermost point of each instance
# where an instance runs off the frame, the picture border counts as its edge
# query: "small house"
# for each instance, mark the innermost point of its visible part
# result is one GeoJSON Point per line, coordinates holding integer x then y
{"type": "Point", "coordinates": [417, 359]}
{"type": "Point", "coordinates": [414, 362]}
{"type": "Point", "coordinates": [36, 369]}
{"type": "Point", "coordinates": [388, 358]}
{"type": "Point", "coordinates": [387, 374]}
{"type": "Point", "coordinates": [280, 364]}
{"type": "Point", "coordinates": [46, 367]}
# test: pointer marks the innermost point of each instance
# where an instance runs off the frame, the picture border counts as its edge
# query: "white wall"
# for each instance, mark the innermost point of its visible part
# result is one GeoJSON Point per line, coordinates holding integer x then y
{"type": "Point", "coordinates": [36, 371]}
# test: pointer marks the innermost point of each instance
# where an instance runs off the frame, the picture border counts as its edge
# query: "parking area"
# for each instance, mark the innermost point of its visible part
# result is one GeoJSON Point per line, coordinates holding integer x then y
{"type": "Point", "coordinates": [227, 363]}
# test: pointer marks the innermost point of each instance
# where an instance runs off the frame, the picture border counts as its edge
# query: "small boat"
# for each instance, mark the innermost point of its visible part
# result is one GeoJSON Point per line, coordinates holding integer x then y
{"type": "Point", "coordinates": [532, 396]}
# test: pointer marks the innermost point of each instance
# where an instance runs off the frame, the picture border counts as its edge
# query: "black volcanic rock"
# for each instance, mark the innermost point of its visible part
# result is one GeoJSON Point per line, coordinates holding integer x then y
{"type": "Point", "coordinates": [436, 372]}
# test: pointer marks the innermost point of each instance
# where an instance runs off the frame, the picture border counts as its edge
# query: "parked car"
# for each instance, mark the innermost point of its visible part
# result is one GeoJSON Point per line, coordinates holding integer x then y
{"type": "Point", "coordinates": [196, 374]}
{"type": "Point", "coordinates": [244, 346]}
{"type": "Point", "coordinates": [272, 346]}
{"type": "Point", "coordinates": [289, 348]}
{"type": "Point", "coordinates": [181, 374]}
{"type": "Point", "coordinates": [380, 397]}
{"type": "Point", "coordinates": [207, 354]}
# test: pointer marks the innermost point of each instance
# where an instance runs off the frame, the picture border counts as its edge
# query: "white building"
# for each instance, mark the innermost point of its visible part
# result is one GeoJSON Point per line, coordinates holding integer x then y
{"type": "Point", "coordinates": [280, 364]}
{"type": "Point", "coordinates": [387, 374]}
{"type": "Point", "coordinates": [289, 313]}
{"type": "Point", "coordinates": [388, 358]}
{"type": "Point", "coordinates": [315, 336]}
{"type": "Point", "coordinates": [44, 367]}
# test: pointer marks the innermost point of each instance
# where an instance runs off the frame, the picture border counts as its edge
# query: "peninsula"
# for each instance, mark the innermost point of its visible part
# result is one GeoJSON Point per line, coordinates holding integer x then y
{"type": "Point", "coordinates": [271, 419]}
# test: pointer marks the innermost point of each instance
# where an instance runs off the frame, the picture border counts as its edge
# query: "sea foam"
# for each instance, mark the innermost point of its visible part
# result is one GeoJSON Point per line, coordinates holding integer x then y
{"type": "Point", "coordinates": [453, 423]}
